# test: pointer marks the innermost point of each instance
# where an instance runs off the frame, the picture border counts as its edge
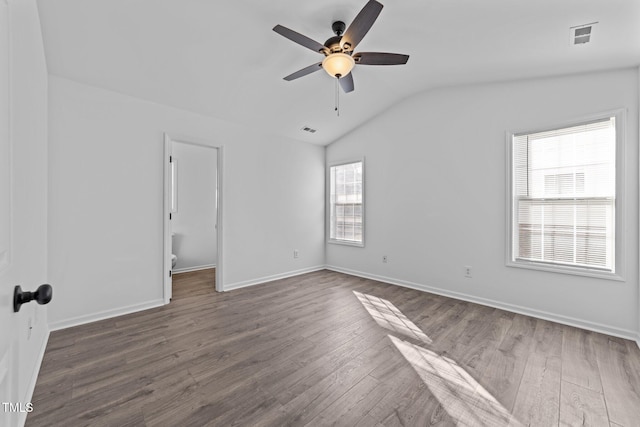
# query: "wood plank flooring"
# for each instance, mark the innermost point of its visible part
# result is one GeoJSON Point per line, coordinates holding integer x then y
{"type": "Point", "coordinates": [326, 348]}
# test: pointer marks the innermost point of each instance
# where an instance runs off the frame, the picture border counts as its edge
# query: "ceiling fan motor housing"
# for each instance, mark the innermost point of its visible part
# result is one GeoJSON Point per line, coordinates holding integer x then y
{"type": "Point", "coordinates": [333, 43]}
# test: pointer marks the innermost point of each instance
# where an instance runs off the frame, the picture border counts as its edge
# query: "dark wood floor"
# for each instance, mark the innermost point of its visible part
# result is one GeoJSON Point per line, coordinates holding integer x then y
{"type": "Point", "coordinates": [330, 349]}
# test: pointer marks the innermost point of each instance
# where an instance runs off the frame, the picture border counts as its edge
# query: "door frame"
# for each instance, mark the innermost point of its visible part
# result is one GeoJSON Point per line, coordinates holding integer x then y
{"type": "Point", "coordinates": [169, 139]}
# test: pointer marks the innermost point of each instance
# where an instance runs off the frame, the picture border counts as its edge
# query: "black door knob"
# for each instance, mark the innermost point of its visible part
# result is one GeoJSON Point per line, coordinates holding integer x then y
{"type": "Point", "coordinates": [42, 295]}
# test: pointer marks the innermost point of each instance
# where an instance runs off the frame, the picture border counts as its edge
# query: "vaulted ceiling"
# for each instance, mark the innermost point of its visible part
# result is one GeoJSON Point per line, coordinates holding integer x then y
{"type": "Point", "coordinates": [222, 59]}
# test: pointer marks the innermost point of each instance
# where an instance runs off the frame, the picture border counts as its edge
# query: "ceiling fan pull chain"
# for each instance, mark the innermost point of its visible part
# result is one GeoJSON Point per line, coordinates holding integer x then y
{"type": "Point", "coordinates": [337, 98]}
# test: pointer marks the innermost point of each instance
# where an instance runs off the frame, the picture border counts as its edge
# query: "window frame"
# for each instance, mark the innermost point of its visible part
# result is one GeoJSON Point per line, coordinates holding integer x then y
{"type": "Point", "coordinates": [620, 200]}
{"type": "Point", "coordinates": [328, 203]}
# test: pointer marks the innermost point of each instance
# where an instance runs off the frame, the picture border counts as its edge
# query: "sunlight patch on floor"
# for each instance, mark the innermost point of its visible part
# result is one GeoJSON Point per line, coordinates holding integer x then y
{"type": "Point", "coordinates": [461, 396]}
{"type": "Point", "coordinates": [389, 317]}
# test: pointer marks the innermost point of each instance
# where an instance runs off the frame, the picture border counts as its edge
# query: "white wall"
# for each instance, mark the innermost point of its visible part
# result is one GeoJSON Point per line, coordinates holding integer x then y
{"type": "Point", "coordinates": [435, 196]}
{"type": "Point", "coordinates": [106, 201]}
{"type": "Point", "coordinates": [194, 222]}
{"type": "Point", "coordinates": [23, 124]}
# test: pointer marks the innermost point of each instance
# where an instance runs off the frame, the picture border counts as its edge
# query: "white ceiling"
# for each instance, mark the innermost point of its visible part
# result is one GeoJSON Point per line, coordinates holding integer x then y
{"type": "Point", "coordinates": [222, 59]}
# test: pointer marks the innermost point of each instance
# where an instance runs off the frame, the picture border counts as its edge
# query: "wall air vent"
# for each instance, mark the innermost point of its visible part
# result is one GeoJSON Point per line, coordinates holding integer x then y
{"type": "Point", "coordinates": [308, 129]}
{"type": "Point", "coordinates": [582, 34]}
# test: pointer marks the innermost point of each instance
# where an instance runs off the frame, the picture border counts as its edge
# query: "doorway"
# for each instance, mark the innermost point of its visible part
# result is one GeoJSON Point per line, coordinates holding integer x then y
{"type": "Point", "coordinates": [192, 209]}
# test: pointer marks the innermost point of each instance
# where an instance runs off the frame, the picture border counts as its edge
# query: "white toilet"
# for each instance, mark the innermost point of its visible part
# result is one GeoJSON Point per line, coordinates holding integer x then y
{"type": "Point", "coordinates": [174, 258]}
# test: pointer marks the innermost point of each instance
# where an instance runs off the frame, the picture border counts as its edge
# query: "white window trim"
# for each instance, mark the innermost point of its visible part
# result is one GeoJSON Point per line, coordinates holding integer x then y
{"type": "Point", "coordinates": [328, 203]}
{"type": "Point", "coordinates": [620, 211]}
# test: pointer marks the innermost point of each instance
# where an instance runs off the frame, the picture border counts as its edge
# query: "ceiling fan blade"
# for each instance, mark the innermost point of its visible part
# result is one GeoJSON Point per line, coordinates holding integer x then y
{"type": "Point", "coordinates": [380, 58]}
{"type": "Point", "coordinates": [299, 38]}
{"type": "Point", "coordinates": [346, 83]}
{"type": "Point", "coordinates": [306, 70]}
{"type": "Point", "coordinates": [361, 25]}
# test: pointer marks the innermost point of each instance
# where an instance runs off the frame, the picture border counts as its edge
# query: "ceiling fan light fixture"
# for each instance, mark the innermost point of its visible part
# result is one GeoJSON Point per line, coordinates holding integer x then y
{"type": "Point", "coordinates": [338, 64]}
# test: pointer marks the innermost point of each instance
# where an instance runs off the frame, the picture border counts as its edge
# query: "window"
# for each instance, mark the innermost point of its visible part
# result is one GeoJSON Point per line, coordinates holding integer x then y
{"type": "Point", "coordinates": [346, 207]}
{"type": "Point", "coordinates": [563, 198]}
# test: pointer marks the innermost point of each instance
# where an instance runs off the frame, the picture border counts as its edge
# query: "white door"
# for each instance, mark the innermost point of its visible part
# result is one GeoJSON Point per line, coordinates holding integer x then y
{"type": "Point", "coordinates": [23, 203]}
{"type": "Point", "coordinates": [169, 204]}
{"type": "Point", "coordinates": [8, 272]}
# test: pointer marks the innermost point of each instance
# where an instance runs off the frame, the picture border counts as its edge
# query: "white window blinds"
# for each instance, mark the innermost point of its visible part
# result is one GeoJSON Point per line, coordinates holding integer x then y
{"type": "Point", "coordinates": [564, 193]}
{"type": "Point", "coordinates": [346, 203]}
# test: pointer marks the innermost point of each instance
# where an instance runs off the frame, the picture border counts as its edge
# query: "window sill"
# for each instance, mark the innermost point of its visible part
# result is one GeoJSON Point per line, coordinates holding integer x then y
{"type": "Point", "coordinates": [346, 243]}
{"type": "Point", "coordinates": [574, 271]}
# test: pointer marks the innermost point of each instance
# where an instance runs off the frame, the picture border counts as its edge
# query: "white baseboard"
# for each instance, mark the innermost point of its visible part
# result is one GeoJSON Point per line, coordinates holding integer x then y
{"type": "Point", "coordinates": [106, 314]}
{"type": "Point", "coordinates": [189, 269]}
{"type": "Point", "coordinates": [22, 419]}
{"type": "Point", "coordinates": [566, 320]}
{"type": "Point", "coordinates": [258, 281]}
{"type": "Point", "coordinates": [638, 339]}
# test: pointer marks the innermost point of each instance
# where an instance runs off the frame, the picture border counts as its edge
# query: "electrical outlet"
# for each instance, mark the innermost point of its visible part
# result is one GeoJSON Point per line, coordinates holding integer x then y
{"type": "Point", "coordinates": [296, 254]}
{"type": "Point", "coordinates": [467, 271]}
{"type": "Point", "coordinates": [384, 259]}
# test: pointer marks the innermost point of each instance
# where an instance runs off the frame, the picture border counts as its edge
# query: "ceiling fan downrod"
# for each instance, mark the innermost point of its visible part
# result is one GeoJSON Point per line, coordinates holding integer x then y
{"type": "Point", "coordinates": [338, 28]}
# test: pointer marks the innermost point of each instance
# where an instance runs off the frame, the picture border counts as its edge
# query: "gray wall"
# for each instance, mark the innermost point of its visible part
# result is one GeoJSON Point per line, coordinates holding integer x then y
{"type": "Point", "coordinates": [435, 196]}
{"type": "Point", "coordinates": [106, 201]}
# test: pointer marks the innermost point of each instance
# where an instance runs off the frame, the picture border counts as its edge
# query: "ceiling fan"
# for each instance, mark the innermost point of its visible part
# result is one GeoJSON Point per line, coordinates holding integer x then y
{"type": "Point", "coordinates": [338, 50]}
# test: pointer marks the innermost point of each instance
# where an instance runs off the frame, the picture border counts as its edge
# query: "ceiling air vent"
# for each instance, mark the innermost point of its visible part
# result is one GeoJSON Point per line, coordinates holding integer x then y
{"type": "Point", "coordinates": [308, 129]}
{"type": "Point", "coordinates": [581, 34]}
